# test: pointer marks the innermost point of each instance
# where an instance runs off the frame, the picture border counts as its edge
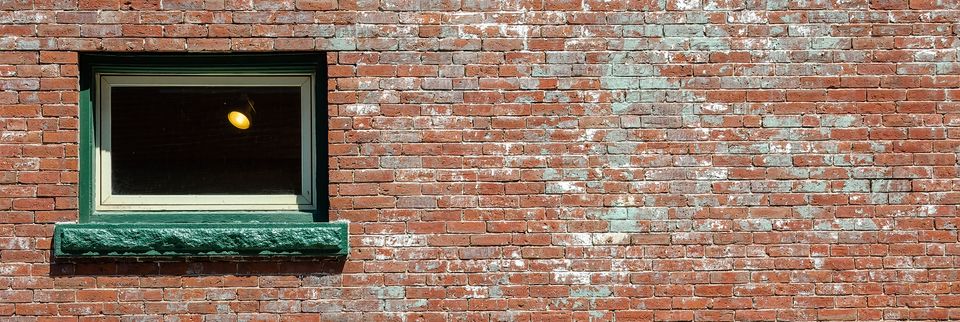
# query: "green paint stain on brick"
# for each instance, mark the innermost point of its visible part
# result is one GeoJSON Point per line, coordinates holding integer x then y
{"type": "Point", "coordinates": [390, 292]}
{"type": "Point", "coordinates": [632, 70]}
{"type": "Point", "coordinates": [890, 185]}
{"type": "Point", "coordinates": [615, 136]}
{"type": "Point", "coordinates": [610, 213]}
{"type": "Point", "coordinates": [649, 213]}
{"type": "Point", "coordinates": [619, 161]}
{"type": "Point", "coordinates": [852, 160]}
{"type": "Point", "coordinates": [813, 186]}
{"type": "Point", "coordinates": [658, 83]}
{"type": "Point", "coordinates": [576, 174]}
{"type": "Point", "coordinates": [621, 108]}
{"type": "Point", "coordinates": [798, 172]}
{"type": "Point", "coordinates": [878, 198]}
{"type": "Point", "coordinates": [830, 43]}
{"type": "Point", "coordinates": [643, 30]}
{"type": "Point", "coordinates": [551, 70]}
{"type": "Point", "coordinates": [342, 44]}
{"type": "Point", "coordinates": [808, 212]}
{"type": "Point", "coordinates": [590, 291]}
{"type": "Point", "coordinates": [557, 97]}
{"type": "Point", "coordinates": [847, 224]}
{"type": "Point", "coordinates": [619, 83]}
{"type": "Point", "coordinates": [495, 292]}
{"type": "Point", "coordinates": [671, 43]}
{"type": "Point", "coordinates": [551, 174]}
{"type": "Point", "coordinates": [858, 224]}
{"type": "Point", "coordinates": [624, 226]}
{"type": "Point", "coordinates": [749, 148]}
{"type": "Point", "coordinates": [781, 121]}
{"type": "Point", "coordinates": [838, 120]}
{"type": "Point", "coordinates": [647, 96]}
{"type": "Point", "coordinates": [403, 305]}
{"type": "Point", "coordinates": [856, 186]}
{"type": "Point", "coordinates": [756, 225]}
{"type": "Point", "coordinates": [634, 44]}
{"type": "Point", "coordinates": [700, 43]}
{"type": "Point", "coordinates": [706, 120]}
{"type": "Point", "coordinates": [895, 198]}
{"type": "Point", "coordinates": [631, 213]}
{"type": "Point", "coordinates": [778, 160]}
{"type": "Point", "coordinates": [28, 44]}
{"type": "Point", "coordinates": [709, 225]}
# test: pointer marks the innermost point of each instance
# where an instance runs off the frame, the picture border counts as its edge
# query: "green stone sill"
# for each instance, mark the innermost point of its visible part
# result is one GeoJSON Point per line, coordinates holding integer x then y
{"type": "Point", "coordinates": [128, 240]}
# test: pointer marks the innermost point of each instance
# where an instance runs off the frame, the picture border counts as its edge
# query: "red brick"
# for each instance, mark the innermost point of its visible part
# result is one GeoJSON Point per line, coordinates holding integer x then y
{"type": "Point", "coordinates": [493, 169]}
{"type": "Point", "coordinates": [316, 4]}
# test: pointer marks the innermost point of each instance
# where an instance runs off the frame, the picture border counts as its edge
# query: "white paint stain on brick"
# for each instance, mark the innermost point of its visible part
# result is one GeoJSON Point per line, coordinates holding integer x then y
{"type": "Point", "coordinates": [687, 4]}
{"type": "Point", "coordinates": [611, 239]}
{"type": "Point", "coordinates": [580, 239]}
{"type": "Point", "coordinates": [579, 278]}
{"type": "Point", "coordinates": [716, 108]}
{"type": "Point", "coordinates": [564, 187]}
{"type": "Point", "coordinates": [393, 240]}
{"type": "Point", "coordinates": [362, 109]}
{"type": "Point", "coordinates": [712, 174]}
{"type": "Point", "coordinates": [781, 148]}
{"type": "Point", "coordinates": [8, 269]}
{"type": "Point", "coordinates": [475, 292]}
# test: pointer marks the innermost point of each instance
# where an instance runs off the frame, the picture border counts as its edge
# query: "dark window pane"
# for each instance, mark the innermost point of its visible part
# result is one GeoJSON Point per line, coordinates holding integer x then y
{"type": "Point", "coordinates": [178, 141]}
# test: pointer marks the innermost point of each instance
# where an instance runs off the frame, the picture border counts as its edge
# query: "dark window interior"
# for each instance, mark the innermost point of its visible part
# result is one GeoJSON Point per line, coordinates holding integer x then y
{"type": "Point", "coordinates": [178, 141]}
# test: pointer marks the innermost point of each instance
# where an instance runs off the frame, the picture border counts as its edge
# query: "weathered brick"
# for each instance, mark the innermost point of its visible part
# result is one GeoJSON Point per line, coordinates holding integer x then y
{"type": "Point", "coordinates": [537, 160]}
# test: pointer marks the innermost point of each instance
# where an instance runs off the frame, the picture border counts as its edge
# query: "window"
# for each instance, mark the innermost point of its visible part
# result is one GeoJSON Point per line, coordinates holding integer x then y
{"type": "Point", "coordinates": [204, 142]}
{"type": "Point", "coordinates": [202, 155]}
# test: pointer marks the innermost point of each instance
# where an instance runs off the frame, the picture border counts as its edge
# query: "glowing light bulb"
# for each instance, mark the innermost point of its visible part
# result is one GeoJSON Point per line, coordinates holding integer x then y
{"type": "Point", "coordinates": [238, 120]}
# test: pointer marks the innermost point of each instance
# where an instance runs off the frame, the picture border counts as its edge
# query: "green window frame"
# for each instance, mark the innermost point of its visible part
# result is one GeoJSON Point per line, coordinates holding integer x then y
{"type": "Point", "coordinates": [188, 225]}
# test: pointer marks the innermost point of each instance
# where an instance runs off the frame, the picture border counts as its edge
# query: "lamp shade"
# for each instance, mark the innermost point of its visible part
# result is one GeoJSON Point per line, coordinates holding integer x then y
{"type": "Point", "coordinates": [242, 117]}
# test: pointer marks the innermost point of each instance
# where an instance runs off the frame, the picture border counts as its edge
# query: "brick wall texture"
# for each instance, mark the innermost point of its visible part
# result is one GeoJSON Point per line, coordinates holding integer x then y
{"type": "Point", "coordinates": [527, 160]}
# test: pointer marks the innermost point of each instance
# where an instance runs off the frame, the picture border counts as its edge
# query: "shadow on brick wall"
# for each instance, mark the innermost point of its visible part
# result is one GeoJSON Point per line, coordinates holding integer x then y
{"type": "Point", "coordinates": [198, 267]}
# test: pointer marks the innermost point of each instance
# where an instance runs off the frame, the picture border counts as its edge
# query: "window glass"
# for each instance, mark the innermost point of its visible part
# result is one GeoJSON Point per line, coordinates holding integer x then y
{"type": "Point", "coordinates": [179, 140]}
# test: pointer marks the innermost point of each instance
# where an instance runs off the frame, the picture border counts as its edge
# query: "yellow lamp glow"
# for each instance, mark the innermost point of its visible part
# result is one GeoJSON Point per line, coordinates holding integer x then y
{"type": "Point", "coordinates": [241, 117]}
{"type": "Point", "coordinates": [238, 120]}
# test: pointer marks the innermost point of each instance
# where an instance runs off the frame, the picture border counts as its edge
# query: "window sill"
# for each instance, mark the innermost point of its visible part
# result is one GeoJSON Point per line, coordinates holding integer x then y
{"type": "Point", "coordinates": [131, 240]}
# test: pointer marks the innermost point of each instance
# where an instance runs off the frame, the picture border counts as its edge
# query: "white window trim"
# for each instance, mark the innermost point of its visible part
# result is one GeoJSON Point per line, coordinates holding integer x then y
{"type": "Point", "coordinates": [106, 201]}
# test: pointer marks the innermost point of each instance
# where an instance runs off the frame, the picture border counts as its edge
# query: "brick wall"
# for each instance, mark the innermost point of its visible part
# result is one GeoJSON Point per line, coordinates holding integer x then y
{"type": "Point", "coordinates": [521, 160]}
